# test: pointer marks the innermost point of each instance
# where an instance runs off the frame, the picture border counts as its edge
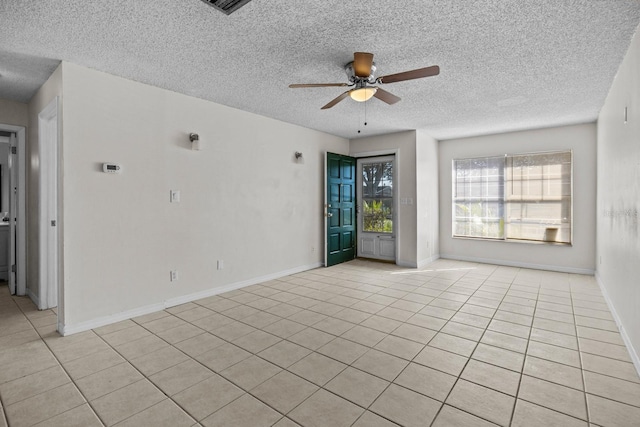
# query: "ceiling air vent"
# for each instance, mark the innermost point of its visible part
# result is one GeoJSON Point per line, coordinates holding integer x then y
{"type": "Point", "coordinates": [227, 6]}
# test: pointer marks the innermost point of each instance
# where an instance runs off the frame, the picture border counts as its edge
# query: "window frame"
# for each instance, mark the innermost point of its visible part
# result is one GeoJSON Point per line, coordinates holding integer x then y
{"type": "Point", "coordinates": [504, 220]}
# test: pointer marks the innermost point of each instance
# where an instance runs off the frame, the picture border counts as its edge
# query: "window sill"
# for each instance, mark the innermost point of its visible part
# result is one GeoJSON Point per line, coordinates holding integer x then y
{"type": "Point", "coordinates": [526, 242]}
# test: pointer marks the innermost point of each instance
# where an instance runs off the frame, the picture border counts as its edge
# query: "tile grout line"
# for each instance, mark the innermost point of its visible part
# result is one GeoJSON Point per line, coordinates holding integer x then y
{"type": "Point", "coordinates": [366, 409]}
{"type": "Point", "coordinates": [237, 385]}
{"type": "Point", "coordinates": [311, 326]}
{"type": "Point", "coordinates": [459, 376]}
{"type": "Point", "coordinates": [351, 365]}
{"type": "Point", "coordinates": [526, 355]}
{"type": "Point", "coordinates": [582, 370]}
{"type": "Point", "coordinates": [321, 301]}
{"type": "Point", "coordinates": [562, 385]}
{"type": "Point", "coordinates": [219, 373]}
{"type": "Point", "coordinates": [408, 364]}
{"type": "Point", "coordinates": [189, 356]}
{"type": "Point", "coordinates": [71, 380]}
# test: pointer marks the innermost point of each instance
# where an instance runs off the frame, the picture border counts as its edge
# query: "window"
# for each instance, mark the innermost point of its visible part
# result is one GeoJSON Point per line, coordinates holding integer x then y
{"type": "Point", "coordinates": [377, 197]}
{"type": "Point", "coordinates": [514, 197]}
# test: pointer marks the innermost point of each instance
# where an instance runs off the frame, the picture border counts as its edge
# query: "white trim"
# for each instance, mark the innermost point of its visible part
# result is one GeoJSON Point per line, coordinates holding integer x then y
{"type": "Point", "coordinates": [238, 285]}
{"type": "Point", "coordinates": [12, 178]}
{"type": "Point", "coordinates": [396, 196]}
{"type": "Point", "coordinates": [378, 153]}
{"type": "Point", "coordinates": [48, 140]}
{"type": "Point", "coordinates": [65, 330]}
{"type": "Point", "coordinates": [325, 209]}
{"type": "Point", "coordinates": [422, 264]}
{"type": "Point", "coordinates": [172, 302]}
{"type": "Point", "coordinates": [360, 162]}
{"type": "Point", "coordinates": [21, 240]}
{"type": "Point", "coordinates": [548, 267]}
{"type": "Point", "coordinates": [627, 341]}
{"type": "Point", "coordinates": [406, 264]}
{"type": "Point", "coordinates": [33, 297]}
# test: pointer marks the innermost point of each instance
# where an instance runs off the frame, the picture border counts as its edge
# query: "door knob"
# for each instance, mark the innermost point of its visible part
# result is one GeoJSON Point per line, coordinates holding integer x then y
{"type": "Point", "coordinates": [329, 214]}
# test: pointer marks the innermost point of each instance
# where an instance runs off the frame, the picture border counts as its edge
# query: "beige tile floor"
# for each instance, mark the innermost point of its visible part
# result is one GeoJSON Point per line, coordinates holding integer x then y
{"type": "Point", "coordinates": [359, 344]}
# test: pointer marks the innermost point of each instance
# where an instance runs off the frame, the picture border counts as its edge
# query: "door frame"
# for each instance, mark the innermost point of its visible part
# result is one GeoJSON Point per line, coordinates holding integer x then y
{"type": "Point", "coordinates": [326, 207]}
{"type": "Point", "coordinates": [359, 162]}
{"type": "Point", "coordinates": [396, 188]}
{"type": "Point", "coordinates": [48, 141]}
{"type": "Point", "coordinates": [18, 252]}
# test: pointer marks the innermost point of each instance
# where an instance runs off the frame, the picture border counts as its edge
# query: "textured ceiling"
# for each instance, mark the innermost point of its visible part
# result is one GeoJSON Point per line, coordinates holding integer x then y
{"type": "Point", "coordinates": [505, 64]}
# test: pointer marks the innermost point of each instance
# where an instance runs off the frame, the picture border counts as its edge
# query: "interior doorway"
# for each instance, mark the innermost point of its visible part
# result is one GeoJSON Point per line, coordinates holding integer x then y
{"type": "Point", "coordinates": [13, 207]}
{"type": "Point", "coordinates": [377, 211]}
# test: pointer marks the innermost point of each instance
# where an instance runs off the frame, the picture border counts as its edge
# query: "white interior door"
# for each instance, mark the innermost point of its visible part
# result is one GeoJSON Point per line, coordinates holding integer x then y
{"type": "Point", "coordinates": [48, 148]}
{"type": "Point", "coordinates": [376, 208]}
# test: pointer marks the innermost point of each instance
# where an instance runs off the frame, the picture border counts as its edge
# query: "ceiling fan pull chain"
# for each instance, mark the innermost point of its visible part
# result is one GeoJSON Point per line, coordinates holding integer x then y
{"type": "Point", "coordinates": [365, 113]}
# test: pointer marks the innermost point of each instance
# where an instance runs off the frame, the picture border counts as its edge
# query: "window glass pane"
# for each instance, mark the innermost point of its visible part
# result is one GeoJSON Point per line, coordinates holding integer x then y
{"type": "Point", "coordinates": [479, 197]}
{"type": "Point", "coordinates": [539, 197]}
{"type": "Point", "coordinates": [377, 199]}
{"type": "Point", "coordinates": [525, 197]}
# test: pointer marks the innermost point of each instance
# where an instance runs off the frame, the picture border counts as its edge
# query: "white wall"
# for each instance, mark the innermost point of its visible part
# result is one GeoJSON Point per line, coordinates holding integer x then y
{"type": "Point", "coordinates": [618, 237]}
{"type": "Point", "coordinates": [244, 198]}
{"type": "Point", "coordinates": [42, 98]}
{"type": "Point", "coordinates": [427, 214]}
{"type": "Point", "coordinates": [580, 257]}
{"type": "Point", "coordinates": [13, 113]}
{"type": "Point", "coordinates": [404, 144]}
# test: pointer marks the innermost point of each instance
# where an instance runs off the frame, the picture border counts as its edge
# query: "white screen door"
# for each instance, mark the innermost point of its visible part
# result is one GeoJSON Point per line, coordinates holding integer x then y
{"type": "Point", "coordinates": [376, 208]}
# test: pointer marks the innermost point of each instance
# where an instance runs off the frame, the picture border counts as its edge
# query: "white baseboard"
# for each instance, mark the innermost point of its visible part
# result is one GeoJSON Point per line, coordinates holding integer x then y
{"type": "Point", "coordinates": [69, 329]}
{"type": "Point", "coordinates": [238, 285]}
{"type": "Point", "coordinates": [34, 298]}
{"type": "Point", "coordinates": [406, 264]}
{"type": "Point", "coordinates": [560, 269]}
{"type": "Point", "coordinates": [632, 351]}
{"type": "Point", "coordinates": [425, 262]}
{"type": "Point", "coordinates": [419, 264]}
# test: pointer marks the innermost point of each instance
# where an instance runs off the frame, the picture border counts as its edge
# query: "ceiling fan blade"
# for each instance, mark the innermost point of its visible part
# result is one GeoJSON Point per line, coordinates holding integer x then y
{"type": "Point", "coordinates": [385, 96]}
{"type": "Point", "coordinates": [410, 75]}
{"type": "Point", "coordinates": [295, 86]}
{"type": "Point", "coordinates": [336, 100]}
{"type": "Point", "coordinates": [362, 62]}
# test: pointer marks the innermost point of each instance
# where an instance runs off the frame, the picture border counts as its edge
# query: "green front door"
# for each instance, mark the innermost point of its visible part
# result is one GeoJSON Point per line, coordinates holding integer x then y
{"type": "Point", "coordinates": [341, 208]}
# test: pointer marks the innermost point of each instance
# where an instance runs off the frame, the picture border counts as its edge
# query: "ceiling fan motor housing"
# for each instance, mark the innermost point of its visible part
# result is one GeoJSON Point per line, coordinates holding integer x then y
{"type": "Point", "coordinates": [360, 81]}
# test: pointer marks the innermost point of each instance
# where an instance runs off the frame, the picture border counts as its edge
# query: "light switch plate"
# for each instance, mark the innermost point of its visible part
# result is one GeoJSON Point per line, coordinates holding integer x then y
{"type": "Point", "coordinates": [175, 196]}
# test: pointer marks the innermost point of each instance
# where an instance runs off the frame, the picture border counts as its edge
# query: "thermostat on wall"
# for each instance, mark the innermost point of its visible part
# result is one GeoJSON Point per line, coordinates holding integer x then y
{"type": "Point", "coordinates": [111, 168]}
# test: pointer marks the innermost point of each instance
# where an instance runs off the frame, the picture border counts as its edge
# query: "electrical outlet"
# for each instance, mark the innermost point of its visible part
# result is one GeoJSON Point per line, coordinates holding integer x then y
{"type": "Point", "coordinates": [220, 264]}
{"type": "Point", "coordinates": [174, 275]}
{"type": "Point", "coordinates": [313, 249]}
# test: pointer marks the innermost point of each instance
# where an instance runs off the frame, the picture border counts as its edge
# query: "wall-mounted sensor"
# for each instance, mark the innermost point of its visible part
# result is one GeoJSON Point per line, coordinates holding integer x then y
{"type": "Point", "coordinates": [111, 168]}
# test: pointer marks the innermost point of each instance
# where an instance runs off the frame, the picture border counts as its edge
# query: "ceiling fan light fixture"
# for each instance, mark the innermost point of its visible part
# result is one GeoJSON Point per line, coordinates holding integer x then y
{"type": "Point", "coordinates": [363, 94]}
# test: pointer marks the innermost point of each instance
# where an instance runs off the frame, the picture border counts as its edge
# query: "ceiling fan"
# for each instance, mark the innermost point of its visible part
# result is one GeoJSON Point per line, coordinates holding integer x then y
{"type": "Point", "coordinates": [361, 74]}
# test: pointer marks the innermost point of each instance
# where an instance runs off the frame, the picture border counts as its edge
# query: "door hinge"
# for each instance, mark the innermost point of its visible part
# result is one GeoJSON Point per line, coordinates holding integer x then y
{"type": "Point", "coordinates": [53, 222]}
{"type": "Point", "coordinates": [14, 150]}
{"type": "Point", "coordinates": [13, 268]}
